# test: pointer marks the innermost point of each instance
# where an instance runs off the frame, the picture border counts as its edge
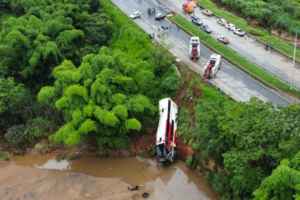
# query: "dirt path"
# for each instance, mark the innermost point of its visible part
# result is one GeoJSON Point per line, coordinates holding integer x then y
{"type": "Point", "coordinates": [31, 183]}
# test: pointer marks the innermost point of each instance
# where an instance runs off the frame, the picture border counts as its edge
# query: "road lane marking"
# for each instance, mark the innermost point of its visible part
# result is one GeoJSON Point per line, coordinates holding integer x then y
{"type": "Point", "coordinates": [134, 3]}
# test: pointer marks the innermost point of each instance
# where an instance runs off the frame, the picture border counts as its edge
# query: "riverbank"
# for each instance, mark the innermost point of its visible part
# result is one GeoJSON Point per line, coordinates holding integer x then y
{"type": "Point", "coordinates": [19, 182]}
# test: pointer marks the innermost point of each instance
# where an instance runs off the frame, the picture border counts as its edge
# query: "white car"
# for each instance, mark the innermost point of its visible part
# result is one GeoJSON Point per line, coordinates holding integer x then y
{"type": "Point", "coordinates": [207, 12]}
{"type": "Point", "coordinates": [230, 26]}
{"type": "Point", "coordinates": [239, 32]}
{"type": "Point", "coordinates": [193, 4]}
{"type": "Point", "coordinates": [221, 21]}
{"type": "Point", "coordinates": [135, 14]}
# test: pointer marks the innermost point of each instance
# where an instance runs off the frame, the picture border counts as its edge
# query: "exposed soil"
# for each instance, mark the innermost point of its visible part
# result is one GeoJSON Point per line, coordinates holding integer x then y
{"type": "Point", "coordinates": [31, 183]}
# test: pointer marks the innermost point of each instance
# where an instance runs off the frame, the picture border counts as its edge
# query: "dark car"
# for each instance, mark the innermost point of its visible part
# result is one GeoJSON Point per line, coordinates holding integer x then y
{"type": "Point", "coordinates": [205, 28]}
{"type": "Point", "coordinates": [159, 16]}
{"type": "Point", "coordinates": [196, 20]}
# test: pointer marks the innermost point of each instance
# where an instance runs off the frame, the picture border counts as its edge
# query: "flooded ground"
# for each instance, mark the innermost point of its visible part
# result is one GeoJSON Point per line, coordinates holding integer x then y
{"type": "Point", "coordinates": [174, 182]}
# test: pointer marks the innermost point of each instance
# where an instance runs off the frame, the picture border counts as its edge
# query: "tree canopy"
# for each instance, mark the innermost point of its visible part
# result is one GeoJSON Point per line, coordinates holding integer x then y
{"type": "Point", "coordinates": [247, 139]}
{"type": "Point", "coordinates": [48, 33]}
{"type": "Point", "coordinates": [102, 98]}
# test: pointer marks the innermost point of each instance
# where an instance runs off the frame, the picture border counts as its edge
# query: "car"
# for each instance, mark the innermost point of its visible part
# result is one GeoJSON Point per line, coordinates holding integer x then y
{"type": "Point", "coordinates": [151, 10]}
{"type": "Point", "coordinates": [223, 39]}
{"type": "Point", "coordinates": [168, 12]}
{"type": "Point", "coordinates": [231, 27]}
{"type": "Point", "coordinates": [221, 21]}
{"type": "Point", "coordinates": [205, 28]}
{"type": "Point", "coordinates": [196, 20]}
{"type": "Point", "coordinates": [135, 14]}
{"type": "Point", "coordinates": [193, 4]}
{"type": "Point", "coordinates": [239, 32]}
{"type": "Point", "coordinates": [207, 12]}
{"type": "Point", "coordinates": [160, 16]}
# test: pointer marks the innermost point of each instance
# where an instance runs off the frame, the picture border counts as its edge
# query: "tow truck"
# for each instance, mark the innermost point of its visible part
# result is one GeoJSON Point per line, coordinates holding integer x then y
{"type": "Point", "coordinates": [194, 48]}
{"type": "Point", "coordinates": [212, 66]}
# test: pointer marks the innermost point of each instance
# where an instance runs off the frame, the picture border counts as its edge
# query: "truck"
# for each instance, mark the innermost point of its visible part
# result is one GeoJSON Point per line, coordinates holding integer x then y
{"type": "Point", "coordinates": [194, 48]}
{"type": "Point", "coordinates": [166, 135]}
{"type": "Point", "coordinates": [188, 7]}
{"type": "Point", "coordinates": [212, 66]}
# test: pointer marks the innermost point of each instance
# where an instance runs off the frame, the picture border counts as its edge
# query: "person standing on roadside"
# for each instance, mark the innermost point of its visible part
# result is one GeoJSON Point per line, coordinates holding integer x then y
{"type": "Point", "coordinates": [245, 37]}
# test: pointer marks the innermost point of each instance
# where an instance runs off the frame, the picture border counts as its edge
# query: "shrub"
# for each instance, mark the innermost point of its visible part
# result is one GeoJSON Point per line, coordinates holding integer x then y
{"type": "Point", "coordinates": [4, 155]}
{"type": "Point", "coordinates": [142, 152]}
{"type": "Point", "coordinates": [191, 162]}
{"type": "Point", "coordinates": [18, 137]}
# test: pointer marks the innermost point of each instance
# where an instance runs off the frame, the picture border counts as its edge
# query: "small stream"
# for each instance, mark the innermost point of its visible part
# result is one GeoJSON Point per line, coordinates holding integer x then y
{"type": "Point", "coordinates": [173, 182]}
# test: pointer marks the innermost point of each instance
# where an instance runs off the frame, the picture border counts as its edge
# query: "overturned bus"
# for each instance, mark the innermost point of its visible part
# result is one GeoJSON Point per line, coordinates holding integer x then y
{"type": "Point", "coordinates": [166, 136]}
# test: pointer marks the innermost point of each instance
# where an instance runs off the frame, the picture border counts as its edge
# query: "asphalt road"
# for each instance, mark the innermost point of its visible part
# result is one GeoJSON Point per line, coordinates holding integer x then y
{"type": "Point", "coordinates": [228, 78]}
{"type": "Point", "coordinates": [271, 62]}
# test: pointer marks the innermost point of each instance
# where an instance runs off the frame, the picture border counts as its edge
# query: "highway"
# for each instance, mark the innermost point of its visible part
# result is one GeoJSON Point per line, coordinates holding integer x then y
{"type": "Point", "coordinates": [228, 78]}
{"type": "Point", "coordinates": [271, 62]}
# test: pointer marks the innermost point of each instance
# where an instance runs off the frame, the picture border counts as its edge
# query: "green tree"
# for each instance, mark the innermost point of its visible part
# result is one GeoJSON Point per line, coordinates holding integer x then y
{"type": "Point", "coordinates": [283, 183]}
{"type": "Point", "coordinates": [11, 95]}
{"type": "Point", "coordinates": [100, 99]}
{"type": "Point", "coordinates": [94, 5]}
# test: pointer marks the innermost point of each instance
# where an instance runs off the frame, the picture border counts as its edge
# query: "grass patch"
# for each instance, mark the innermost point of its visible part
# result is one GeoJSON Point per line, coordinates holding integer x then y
{"type": "Point", "coordinates": [235, 59]}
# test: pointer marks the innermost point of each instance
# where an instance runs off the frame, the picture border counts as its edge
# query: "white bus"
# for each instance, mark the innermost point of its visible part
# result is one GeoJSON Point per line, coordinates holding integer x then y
{"type": "Point", "coordinates": [166, 136]}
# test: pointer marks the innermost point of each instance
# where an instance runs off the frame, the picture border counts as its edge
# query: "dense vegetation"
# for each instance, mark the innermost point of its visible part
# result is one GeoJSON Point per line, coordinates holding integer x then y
{"type": "Point", "coordinates": [85, 93]}
{"type": "Point", "coordinates": [248, 140]}
{"type": "Point", "coordinates": [97, 77]}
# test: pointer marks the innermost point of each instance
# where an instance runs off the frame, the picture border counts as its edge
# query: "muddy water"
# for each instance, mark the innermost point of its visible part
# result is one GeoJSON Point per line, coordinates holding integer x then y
{"type": "Point", "coordinates": [174, 182]}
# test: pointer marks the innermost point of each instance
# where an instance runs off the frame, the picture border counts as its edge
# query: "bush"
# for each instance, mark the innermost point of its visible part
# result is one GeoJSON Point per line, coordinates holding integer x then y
{"type": "Point", "coordinates": [21, 136]}
{"type": "Point", "coordinates": [4, 155]}
{"type": "Point", "coordinates": [18, 137]}
{"type": "Point", "coordinates": [189, 161]}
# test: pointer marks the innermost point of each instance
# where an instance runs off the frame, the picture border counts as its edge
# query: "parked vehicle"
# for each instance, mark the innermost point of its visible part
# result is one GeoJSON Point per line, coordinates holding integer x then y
{"type": "Point", "coordinates": [239, 32]}
{"type": "Point", "coordinates": [207, 12]}
{"type": "Point", "coordinates": [188, 7]}
{"type": "Point", "coordinates": [194, 48]}
{"type": "Point", "coordinates": [221, 21]}
{"type": "Point", "coordinates": [160, 16]}
{"type": "Point", "coordinates": [135, 14]}
{"type": "Point", "coordinates": [212, 66]}
{"type": "Point", "coordinates": [230, 26]}
{"type": "Point", "coordinates": [196, 20]}
{"type": "Point", "coordinates": [223, 39]}
{"type": "Point", "coordinates": [205, 28]}
{"type": "Point", "coordinates": [166, 135]}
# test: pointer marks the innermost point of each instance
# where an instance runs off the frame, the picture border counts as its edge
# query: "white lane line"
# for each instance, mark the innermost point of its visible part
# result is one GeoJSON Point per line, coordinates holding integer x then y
{"type": "Point", "coordinates": [134, 3]}
{"type": "Point", "coordinates": [146, 3]}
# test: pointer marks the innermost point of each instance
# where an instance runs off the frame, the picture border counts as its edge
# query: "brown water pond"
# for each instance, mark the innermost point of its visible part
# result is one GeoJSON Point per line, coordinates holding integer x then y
{"type": "Point", "coordinates": [173, 182]}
